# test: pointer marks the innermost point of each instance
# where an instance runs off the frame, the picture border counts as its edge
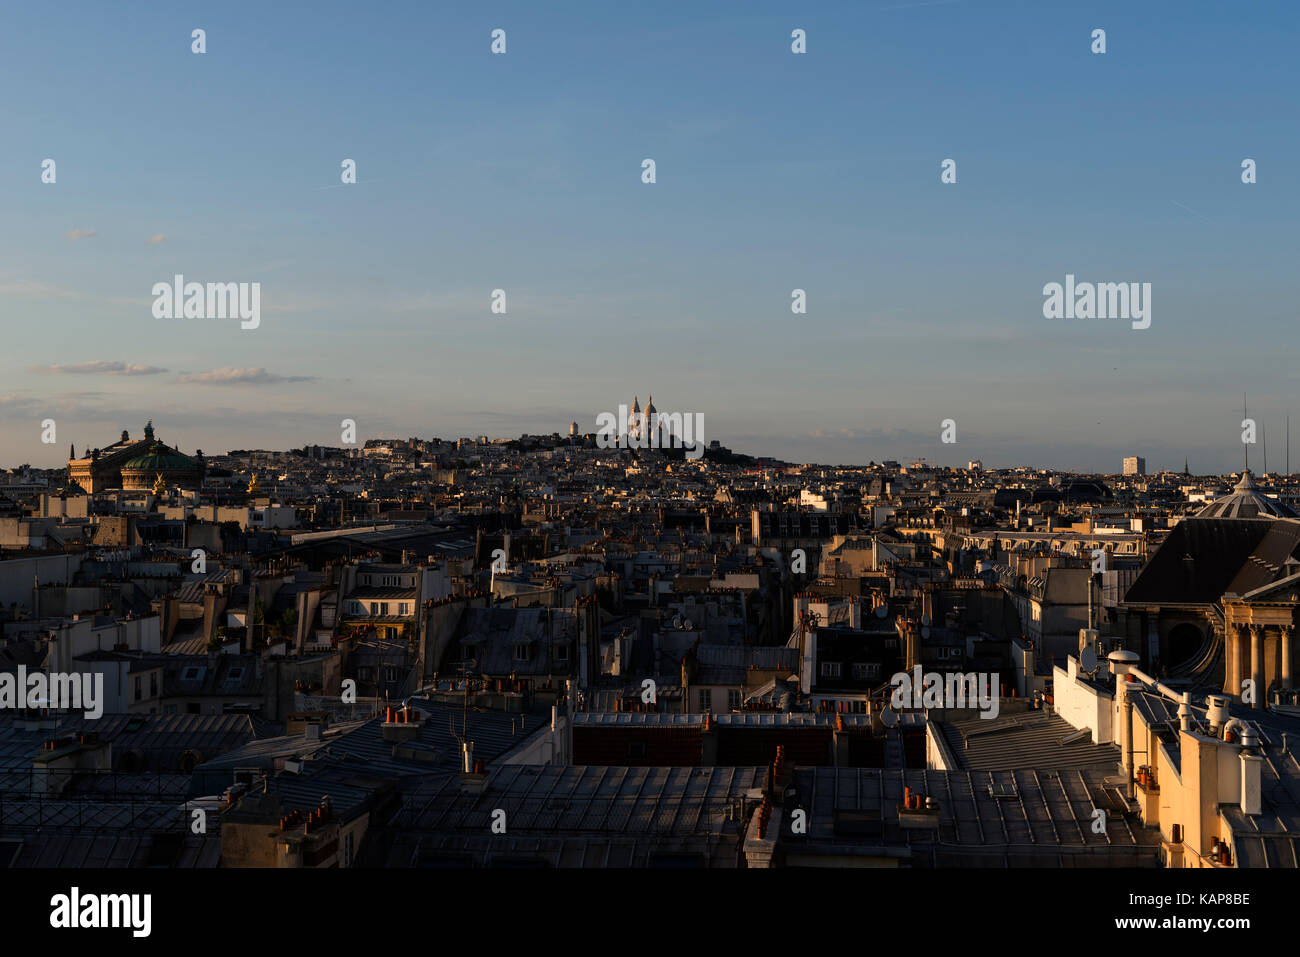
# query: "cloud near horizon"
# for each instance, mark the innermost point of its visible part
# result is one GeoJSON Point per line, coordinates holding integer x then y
{"type": "Point", "coordinates": [99, 367]}
{"type": "Point", "coordinates": [255, 376]}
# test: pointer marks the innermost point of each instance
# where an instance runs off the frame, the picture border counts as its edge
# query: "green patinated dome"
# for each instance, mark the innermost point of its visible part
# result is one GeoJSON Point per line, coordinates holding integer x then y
{"type": "Point", "coordinates": [159, 458]}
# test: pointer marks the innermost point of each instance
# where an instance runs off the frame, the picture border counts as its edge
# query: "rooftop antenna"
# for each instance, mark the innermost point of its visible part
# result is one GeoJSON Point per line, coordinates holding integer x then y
{"type": "Point", "coordinates": [1263, 435]}
{"type": "Point", "coordinates": [1090, 578]}
{"type": "Point", "coordinates": [1245, 445]}
{"type": "Point", "coordinates": [1288, 445]}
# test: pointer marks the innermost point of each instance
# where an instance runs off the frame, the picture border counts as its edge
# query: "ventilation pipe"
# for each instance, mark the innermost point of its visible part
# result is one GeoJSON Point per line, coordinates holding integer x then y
{"type": "Point", "coordinates": [1216, 713]}
{"type": "Point", "coordinates": [1234, 724]}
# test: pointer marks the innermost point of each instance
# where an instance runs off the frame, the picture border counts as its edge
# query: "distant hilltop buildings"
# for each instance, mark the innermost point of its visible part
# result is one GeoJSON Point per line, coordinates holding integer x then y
{"type": "Point", "coordinates": [641, 423]}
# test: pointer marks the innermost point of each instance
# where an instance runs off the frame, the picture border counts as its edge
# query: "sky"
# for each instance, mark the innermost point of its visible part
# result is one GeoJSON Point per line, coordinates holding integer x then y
{"type": "Point", "coordinates": [774, 171]}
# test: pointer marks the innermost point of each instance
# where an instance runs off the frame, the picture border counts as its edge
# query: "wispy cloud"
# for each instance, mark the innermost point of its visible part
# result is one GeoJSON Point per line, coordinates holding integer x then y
{"type": "Point", "coordinates": [875, 435]}
{"type": "Point", "coordinates": [38, 289]}
{"type": "Point", "coordinates": [14, 403]}
{"type": "Point", "coordinates": [256, 376]}
{"type": "Point", "coordinates": [81, 233]}
{"type": "Point", "coordinates": [160, 238]}
{"type": "Point", "coordinates": [1188, 208]}
{"type": "Point", "coordinates": [99, 367]}
{"type": "Point", "coordinates": [31, 287]}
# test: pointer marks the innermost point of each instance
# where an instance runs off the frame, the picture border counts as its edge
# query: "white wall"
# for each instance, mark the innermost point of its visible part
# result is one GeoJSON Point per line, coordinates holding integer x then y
{"type": "Point", "coordinates": [938, 756]}
{"type": "Point", "coordinates": [1082, 705]}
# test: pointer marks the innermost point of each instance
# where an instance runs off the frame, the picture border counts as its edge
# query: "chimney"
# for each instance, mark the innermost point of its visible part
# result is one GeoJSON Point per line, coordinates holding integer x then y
{"type": "Point", "coordinates": [1251, 782]}
{"type": "Point", "coordinates": [400, 724]}
{"type": "Point", "coordinates": [1121, 662]}
{"type": "Point", "coordinates": [473, 775]}
{"type": "Point", "coordinates": [1216, 713]}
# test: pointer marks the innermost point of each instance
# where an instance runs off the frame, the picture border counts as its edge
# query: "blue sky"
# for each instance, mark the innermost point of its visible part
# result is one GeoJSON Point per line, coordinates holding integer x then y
{"type": "Point", "coordinates": [775, 171]}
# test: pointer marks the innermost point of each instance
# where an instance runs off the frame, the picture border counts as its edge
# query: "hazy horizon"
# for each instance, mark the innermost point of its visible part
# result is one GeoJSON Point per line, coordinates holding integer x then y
{"type": "Point", "coordinates": [775, 171]}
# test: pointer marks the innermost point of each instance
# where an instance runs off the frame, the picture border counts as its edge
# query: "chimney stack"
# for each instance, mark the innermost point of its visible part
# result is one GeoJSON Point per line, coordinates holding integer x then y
{"type": "Point", "coordinates": [1251, 774]}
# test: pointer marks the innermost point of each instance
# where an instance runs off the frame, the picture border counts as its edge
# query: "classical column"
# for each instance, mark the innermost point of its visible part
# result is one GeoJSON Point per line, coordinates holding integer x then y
{"type": "Point", "coordinates": [1234, 636]}
{"type": "Point", "coordinates": [1257, 663]}
{"type": "Point", "coordinates": [1287, 634]}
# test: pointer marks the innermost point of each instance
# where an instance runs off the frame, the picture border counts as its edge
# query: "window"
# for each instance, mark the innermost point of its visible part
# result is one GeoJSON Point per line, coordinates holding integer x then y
{"type": "Point", "coordinates": [831, 669]}
{"type": "Point", "coordinates": [704, 699]}
{"type": "Point", "coordinates": [636, 750]}
{"type": "Point", "coordinates": [404, 608]}
{"type": "Point", "coordinates": [153, 684]}
{"type": "Point", "coordinates": [374, 608]}
{"type": "Point", "coordinates": [138, 694]}
{"type": "Point", "coordinates": [562, 651]}
{"type": "Point", "coordinates": [733, 699]}
{"type": "Point", "coordinates": [521, 651]}
{"type": "Point", "coordinates": [866, 671]}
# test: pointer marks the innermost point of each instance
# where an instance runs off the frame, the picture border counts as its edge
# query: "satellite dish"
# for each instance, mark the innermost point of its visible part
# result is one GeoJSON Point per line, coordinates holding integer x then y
{"type": "Point", "coordinates": [888, 717]}
{"type": "Point", "coordinates": [677, 621]}
{"type": "Point", "coordinates": [925, 620]}
{"type": "Point", "coordinates": [882, 611]}
{"type": "Point", "coordinates": [686, 623]}
{"type": "Point", "coordinates": [925, 632]}
{"type": "Point", "coordinates": [1088, 659]}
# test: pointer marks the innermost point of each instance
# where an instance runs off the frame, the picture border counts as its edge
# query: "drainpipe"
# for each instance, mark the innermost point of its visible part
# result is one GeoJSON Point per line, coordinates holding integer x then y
{"type": "Point", "coordinates": [571, 709]}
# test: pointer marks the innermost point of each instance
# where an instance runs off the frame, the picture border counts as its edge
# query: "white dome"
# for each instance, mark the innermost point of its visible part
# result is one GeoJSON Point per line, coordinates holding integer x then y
{"type": "Point", "coordinates": [1246, 501]}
